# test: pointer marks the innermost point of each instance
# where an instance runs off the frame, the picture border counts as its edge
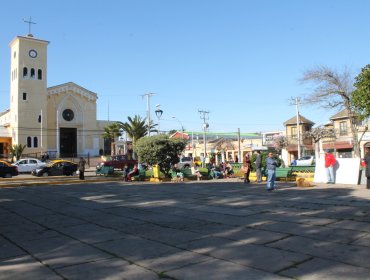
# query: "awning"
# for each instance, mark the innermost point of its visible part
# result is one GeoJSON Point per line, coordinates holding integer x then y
{"type": "Point", "coordinates": [294, 148]}
{"type": "Point", "coordinates": [338, 145]}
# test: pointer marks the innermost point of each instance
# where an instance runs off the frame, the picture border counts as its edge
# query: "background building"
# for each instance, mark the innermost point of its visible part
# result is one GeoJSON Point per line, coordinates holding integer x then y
{"type": "Point", "coordinates": [60, 120]}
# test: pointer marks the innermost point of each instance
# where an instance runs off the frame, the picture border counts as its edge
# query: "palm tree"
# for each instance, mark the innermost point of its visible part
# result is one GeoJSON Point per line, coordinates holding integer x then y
{"type": "Point", "coordinates": [136, 128]}
{"type": "Point", "coordinates": [17, 150]}
{"type": "Point", "coordinates": [111, 132]}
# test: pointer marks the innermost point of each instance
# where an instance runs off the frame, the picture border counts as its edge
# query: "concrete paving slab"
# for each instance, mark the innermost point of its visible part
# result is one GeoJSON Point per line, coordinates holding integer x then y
{"type": "Point", "coordinates": [112, 269]}
{"type": "Point", "coordinates": [252, 236]}
{"type": "Point", "coordinates": [247, 254]}
{"type": "Point", "coordinates": [57, 221]}
{"type": "Point", "coordinates": [289, 216]}
{"type": "Point", "coordinates": [135, 248]}
{"type": "Point", "coordinates": [161, 234]}
{"type": "Point", "coordinates": [9, 250]}
{"type": "Point", "coordinates": [315, 232]}
{"type": "Point", "coordinates": [322, 269]}
{"type": "Point", "coordinates": [348, 254]}
{"type": "Point", "coordinates": [354, 225]}
{"type": "Point", "coordinates": [220, 270]}
{"type": "Point", "coordinates": [26, 267]}
{"type": "Point", "coordinates": [63, 251]}
{"type": "Point", "coordinates": [173, 261]}
{"type": "Point", "coordinates": [22, 237]}
{"type": "Point", "coordinates": [89, 233]}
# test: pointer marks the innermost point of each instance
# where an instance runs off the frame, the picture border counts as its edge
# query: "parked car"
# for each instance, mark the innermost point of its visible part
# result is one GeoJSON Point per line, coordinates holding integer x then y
{"type": "Point", "coordinates": [28, 164]}
{"type": "Point", "coordinates": [118, 162]}
{"type": "Point", "coordinates": [7, 170]}
{"type": "Point", "coordinates": [56, 168]}
{"type": "Point", "coordinates": [185, 162]}
{"type": "Point", "coordinates": [306, 161]}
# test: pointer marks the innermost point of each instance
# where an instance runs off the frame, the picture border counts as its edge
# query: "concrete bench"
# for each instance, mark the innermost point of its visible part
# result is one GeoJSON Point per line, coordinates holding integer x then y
{"type": "Point", "coordinates": [104, 170]}
{"type": "Point", "coordinates": [281, 172]}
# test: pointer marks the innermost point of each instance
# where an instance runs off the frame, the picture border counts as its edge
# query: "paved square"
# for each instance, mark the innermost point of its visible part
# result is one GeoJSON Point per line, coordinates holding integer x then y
{"type": "Point", "coordinates": [220, 229]}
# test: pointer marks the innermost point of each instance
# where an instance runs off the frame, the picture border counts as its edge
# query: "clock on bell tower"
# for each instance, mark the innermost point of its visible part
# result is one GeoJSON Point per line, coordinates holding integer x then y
{"type": "Point", "coordinates": [28, 92]}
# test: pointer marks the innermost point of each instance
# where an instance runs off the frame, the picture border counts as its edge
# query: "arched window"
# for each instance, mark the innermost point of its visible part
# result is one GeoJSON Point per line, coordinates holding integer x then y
{"type": "Point", "coordinates": [35, 142]}
{"type": "Point", "coordinates": [25, 72]}
{"type": "Point", "coordinates": [32, 73]}
{"type": "Point", "coordinates": [39, 74]}
{"type": "Point", "coordinates": [29, 142]}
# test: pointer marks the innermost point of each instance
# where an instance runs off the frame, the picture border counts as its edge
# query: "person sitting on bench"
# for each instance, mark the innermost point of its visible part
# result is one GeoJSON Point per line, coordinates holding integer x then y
{"type": "Point", "coordinates": [133, 172]}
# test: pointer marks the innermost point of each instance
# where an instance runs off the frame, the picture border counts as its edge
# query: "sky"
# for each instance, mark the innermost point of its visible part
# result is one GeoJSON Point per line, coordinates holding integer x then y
{"type": "Point", "coordinates": [239, 60]}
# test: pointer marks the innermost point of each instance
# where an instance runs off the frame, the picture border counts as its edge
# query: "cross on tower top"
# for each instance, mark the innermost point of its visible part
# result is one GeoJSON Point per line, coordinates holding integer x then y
{"type": "Point", "coordinates": [29, 26]}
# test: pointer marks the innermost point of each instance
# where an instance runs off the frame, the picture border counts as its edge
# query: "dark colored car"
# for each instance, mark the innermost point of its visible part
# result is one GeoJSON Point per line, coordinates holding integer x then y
{"type": "Point", "coordinates": [118, 162]}
{"type": "Point", "coordinates": [56, 168]}
{"type": "Point", "coordinates": [7, 170]}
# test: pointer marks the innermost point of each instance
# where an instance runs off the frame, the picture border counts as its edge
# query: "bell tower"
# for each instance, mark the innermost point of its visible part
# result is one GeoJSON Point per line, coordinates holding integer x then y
{"type": "Point", "coordinates": [28, 92]}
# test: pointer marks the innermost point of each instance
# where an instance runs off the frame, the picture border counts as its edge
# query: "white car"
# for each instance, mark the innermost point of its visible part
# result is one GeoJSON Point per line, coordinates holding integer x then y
{"type": "Point", "coordinates": [26, 165]}
{"type": "Point", "coordinates": [306, 161]}
{"type": "Point", "coordinates": [185, 162]}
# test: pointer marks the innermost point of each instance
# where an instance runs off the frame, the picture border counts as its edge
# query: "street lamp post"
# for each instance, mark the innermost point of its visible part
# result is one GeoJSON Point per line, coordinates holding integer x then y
{"type": "Point", "coordinates": [182, 127]}
{"type": "Point", "coordinates": [159, 114]}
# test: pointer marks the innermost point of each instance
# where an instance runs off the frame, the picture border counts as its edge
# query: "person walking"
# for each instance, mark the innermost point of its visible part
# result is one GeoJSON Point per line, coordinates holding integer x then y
{"type": "Point", "coordinates": [329, 166]}
{"type": "Point", "coordinates": [81, 168]}
{"type": "Point", "coordinates": [271, 169]}
{"type": "Point", "coordinates": [367, 170]}
{"type": "Point", "coordinates": [246, 168]}
{"type": "Point", "coordinates": [258, 164]}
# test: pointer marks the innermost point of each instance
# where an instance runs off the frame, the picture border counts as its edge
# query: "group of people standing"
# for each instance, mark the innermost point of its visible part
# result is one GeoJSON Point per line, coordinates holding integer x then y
{"type": "Point", "coordinates": [247, 166]}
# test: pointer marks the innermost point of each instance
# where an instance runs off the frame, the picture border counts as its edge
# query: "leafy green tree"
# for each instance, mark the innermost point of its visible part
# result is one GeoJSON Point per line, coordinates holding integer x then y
{"type": "Point", "coordinates": [360, 99]}
{"type": "Point", "coordinates": [111, 132]}
{"type": "Point", "coordinates": [136, 128]}
{"type": "Point", "coordinates": [161, 150]}
{"type": "Point", "coordinates": [17, 150]}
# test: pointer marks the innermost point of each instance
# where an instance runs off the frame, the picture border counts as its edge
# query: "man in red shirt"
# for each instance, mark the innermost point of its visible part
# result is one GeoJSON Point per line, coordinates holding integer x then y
{"type": "Point", "coordinates": [329, 165]}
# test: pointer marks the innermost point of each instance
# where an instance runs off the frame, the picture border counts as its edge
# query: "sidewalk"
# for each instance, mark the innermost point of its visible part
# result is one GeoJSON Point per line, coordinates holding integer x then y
{"type": "Point", "coordinates": [197, 230]}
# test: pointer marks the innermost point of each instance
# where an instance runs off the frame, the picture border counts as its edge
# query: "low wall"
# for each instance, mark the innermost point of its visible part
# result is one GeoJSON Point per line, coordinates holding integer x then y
{"type": "Point", "coordinates": [346, 171]}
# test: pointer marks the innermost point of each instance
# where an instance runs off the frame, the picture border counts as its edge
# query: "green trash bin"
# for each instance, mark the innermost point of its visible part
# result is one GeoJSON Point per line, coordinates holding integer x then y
{"type": "Point", "coordinates": [155, 170]}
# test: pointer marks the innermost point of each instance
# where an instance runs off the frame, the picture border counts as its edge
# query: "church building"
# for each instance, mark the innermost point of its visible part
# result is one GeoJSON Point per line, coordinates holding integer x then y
{"type": "Point", "coordinates": [60, 120]}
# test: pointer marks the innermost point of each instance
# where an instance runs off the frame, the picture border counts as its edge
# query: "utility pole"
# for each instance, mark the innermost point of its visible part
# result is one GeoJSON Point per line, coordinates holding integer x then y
{"type": "Point", "coordinates": [204, 116]}
{"type": "Point", "coordinates": [239, 148]}
{"type": "Point", "coordinates": [148, 95]}
{"type": "Point", "coordinates": [298, 117]}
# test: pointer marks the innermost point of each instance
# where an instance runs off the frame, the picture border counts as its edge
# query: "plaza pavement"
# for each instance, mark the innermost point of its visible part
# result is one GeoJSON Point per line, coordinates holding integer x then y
{"type": "Point", "coordinates": [219, 229]}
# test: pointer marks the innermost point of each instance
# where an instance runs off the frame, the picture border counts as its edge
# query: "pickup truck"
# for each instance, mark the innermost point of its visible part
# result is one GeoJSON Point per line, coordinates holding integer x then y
{"type": "Point", "coordinates": [118, 162]}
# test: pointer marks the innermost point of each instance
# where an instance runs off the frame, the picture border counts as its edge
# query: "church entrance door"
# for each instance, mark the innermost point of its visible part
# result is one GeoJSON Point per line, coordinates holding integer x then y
{"type": "Point", "coordinates": [68, 142]}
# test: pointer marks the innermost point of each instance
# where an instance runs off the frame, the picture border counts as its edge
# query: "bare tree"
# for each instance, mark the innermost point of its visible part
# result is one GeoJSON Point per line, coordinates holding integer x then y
{"type": "Point", "coordinates": [333, 90]}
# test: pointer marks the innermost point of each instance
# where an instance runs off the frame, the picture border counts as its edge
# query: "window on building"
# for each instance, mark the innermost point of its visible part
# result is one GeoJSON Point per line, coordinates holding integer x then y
{"type": "Point", "coordinates": [32, 73]}
{"type": "Point", "coordinates": [343, 128]}
{"type": "Point", "coordinates": [35, 142]}
{"type": "Point", "coordinates": [39, 74]}
{"type": "Point", "coordinates": [294, 132]}
{"type": "Point", "coordinates": [24, 96]}
{"type": "Point", "coordinates": [25, 72]}
{"type": "Point", "coordinates": [39, 119]}
{"type": "Point", "coordinates": [29, 142]}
